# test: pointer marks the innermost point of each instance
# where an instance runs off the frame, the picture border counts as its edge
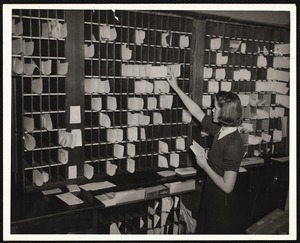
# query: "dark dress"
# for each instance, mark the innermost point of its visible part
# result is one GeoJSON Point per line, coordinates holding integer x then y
{"type": "Point", "coordinates": [220, 212]}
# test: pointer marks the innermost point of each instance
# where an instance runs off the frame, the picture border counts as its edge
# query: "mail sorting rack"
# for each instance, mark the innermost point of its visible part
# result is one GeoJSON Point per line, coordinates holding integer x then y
{"type": "Point", "coordinates": [107, 35]}
{"type": "Point", "coordinates": [241, 58]}
{"type": "Point", "coordinates": [159, 216]}
{"type": "Point", "coordinates": [39, 70]}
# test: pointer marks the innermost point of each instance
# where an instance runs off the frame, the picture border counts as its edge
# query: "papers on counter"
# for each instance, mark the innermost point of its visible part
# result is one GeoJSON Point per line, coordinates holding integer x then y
{"type": "Point", "coordinates": [69, 198]}
{"type": "Point", "coordinates": [94, 186]}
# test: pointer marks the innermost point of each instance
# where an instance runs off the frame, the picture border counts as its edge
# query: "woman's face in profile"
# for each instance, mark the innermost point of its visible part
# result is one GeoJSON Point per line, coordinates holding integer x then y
{"type": "Point", "coordinates": [216, 111]}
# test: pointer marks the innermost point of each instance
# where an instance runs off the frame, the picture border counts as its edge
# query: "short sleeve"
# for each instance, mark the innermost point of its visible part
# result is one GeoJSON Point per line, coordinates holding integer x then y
{"type": "Point", "coordinates": [209, 126]}
{"type": "Point", "coordinates": [233, 155]}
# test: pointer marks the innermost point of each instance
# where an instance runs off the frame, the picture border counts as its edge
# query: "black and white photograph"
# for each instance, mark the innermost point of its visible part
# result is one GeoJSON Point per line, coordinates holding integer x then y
{"type": "Point", "coordinates": [149, 122]}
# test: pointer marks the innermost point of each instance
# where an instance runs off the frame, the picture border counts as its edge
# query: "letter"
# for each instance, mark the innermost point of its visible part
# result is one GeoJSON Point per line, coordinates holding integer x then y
{"type": "Point", "coordinates": [111, 103]}
{"type": "Point", "coordinates": [62, 68]}
{"type": "Point", "coordinates": [174, 159]}
{"type": "Point", "coordinates": [215, 43]}
{"type": "Point", "coordinates": [75, 115]}
{"type": "Point", "coordinates": [17, 29]}
{"type": "Point", "coordinates": [130, 149]}
{"type": "Point", "coordinates": [46, 122]}
{"type": "Point", "coordinates": [213, 87]}
{"type": "Point", "coordinates": [166, 39]}
{"type": "Point", "coordinates": [208, 72]}
{"type": "Point", "coordinates": [113, 34]}
{"type": "Point", "coordinates": [139, 37]}
{"type": "Point", "coordinates": [102, 86]}
{"type": "Point", "coordinates": [277, 135]}
{"type": "Point", "coordinates": [77, 141]}
{"type": "Point", "coordinates": [234, 45]}
{"type": "Point", "coordinates": [104, 33]}
{"type": "Point", "coordinates": [183, 41]}
{"type": "Point", "coordinates": [118, 151]}
{"type": "Point", "coordinates": [126, 70]}
{"type": "Point", "coordinates": [142, 133]}
{"type": "Point", "coordinates": [114, 135]}
{"type": "Point", "coordinates": [283, 100]}
{"type": "Point", "coordinates": [157, 118]}
{"type": "Point", "coordinates": [243, 47]}
{"type": "Point", "coordinates": [135, 103]}
{"type": "Point", "coordinates": [72, 172]}
{"type": "Point", "coordinates": [186, 116]}
{"type": "Point", "coordinates": [37, 86]}
{"type": "Point", "coordinates": [180, 143]}
{"type": "Point", "coordinates": [273, 74]}
{"type": "Point", "coordinates": [226, 86]}
{"type": "Point", "coordinates": [111, 168]}
{"type": "Point", "coordinates": [28, 123]}
{"type": "Point", "coordinates": [125, 52]}
{"type": "Point", "coordinates": [281, 62]}
{"type": "Point", "coordinates": [132, 134]}
{"type": "Point", "coordinates": [96, 104]}
{"type": "Point", "coordinates": [266, 137]}
{"type": "Point", "coordinates": [46, 67]}
{"type": "Point", "coordinates": [29, 142]}
{"type": "Point", "coordinates": [162, 162]}
{"type": "Point", "coordinates": [63, 156]}
{"type": "Point", "coordinates": [220, 73]}
{"type": "Point", "coordinates": [89, 50]}
{"type": "Point", "coordinates": [37, 177]}
{"type": "Point", "coordinates": [130, 165]}
{"type": "Point", "coordinates": [158, 72]}
{"type": "Point", "coordinates": [88, 171]}
{"type": "Point", "coordinates": [161, 87]}
{"type": "Point", "coordinates": [261, 61]}
{"type": "Point", "coordinates": [165, 101]}
{"type": "Point", "coordinates": [262, 114]}
{"type": "Point", "coordinates": [281, 49]}
{"type": "Point", "coordinates": [174, 69]}
{"type": "Point", "coordinates": [151, 103]}
{"type": "Point", "coordinates": [221, 60]}
{"type": "Point", "coordinates": [17, 46]}
{"type": "Point", "coordinates": [133, 119]}
{"type": "Point", "coordinates": [104, 120]}
{"type": "Point", "coordinates": [64, 30]}
{"type": "Point", "coordinates": [28, 68]}
{"type": "Point", "coordinates": [90, 86]}
{"type": "Point", "coordinates": [28, 47]}
{"type": "Point", "coordinates": [284, 127]}
{"type": "Point", "coordinates": [163, 147]}
{"type": "Point", "coordinates": [247, 127]}
{"type": "Point", "coordinates": [254, 140]}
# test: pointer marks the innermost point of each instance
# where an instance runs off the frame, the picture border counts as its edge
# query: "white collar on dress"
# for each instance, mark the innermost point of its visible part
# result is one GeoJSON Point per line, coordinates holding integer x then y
{"type": "Point", "coordinates": [228, 130]}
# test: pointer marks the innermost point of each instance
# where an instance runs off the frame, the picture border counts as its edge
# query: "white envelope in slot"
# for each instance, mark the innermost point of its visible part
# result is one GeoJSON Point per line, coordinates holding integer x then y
{"type": "Point", "coordinates": [126, 70]}
{"type": "Point", "coordinates": [88, 171]}
{"type": "Point", "coordinates": [174, 69]}
{"type": "Point", "coordinates": [29, 142]}
{"type": "Point", "coordinates": [221, 60]}
{"type": "Point", "coordinates": [142, 133]}
{"type": "Point", "coordinates": [174, 160]}
{"type": "Point", "coordinates": [167, 204]}
{"type": "Point", "coordinates": [28, 47]}
{"type": "Point", "coordinates": [277, 135]}
{"type": "Point", "coordinates": [151, 103]}
{"type": "Point", "coordinates": [158, 72]}
{"type": "Point", "coordinates": [283, 100]}
{"type": "Point", "coordinates": [261, 61]}
{"type": "Point", "coordinates": [281, 49]}
{"type": "Point", "coordinates": [91, 85]}
{"type": "Point", "coordinates": [139, 37]}
{"type": "Point", "coordinates": [17, 65]}
{"type": "Point", "coordinates": [166, 39]}
{"type": "Point", "coordinates": [29, 67]}
{"type": "Point", "coordinates": [279, 111]}
{"type": "Point", "coordinates": [130, 165]}
{"type": "Point", "coordinates": [184, 41]}
{"type": "Point", "coordinates": [64, 30]}
{"type": "Point", "coordinates": [162, 162]}
{"type": "Point", "coordinates": [89, 50]}
{"type": "Point", "coordinates": [118, 151]}
{"type": "Point", "coordinates": [266, 137]}
{"type": "Point", "coordinates": [143, 86]}
{"type": "Point", "coordinates": [215, 43]}
{"type": "Point", "coordinates": [131, 149]}
{"type": "Point", "coordinates": [180, 143]}
{"type": "Point", "coordinates": [62, 67]}
{"type": "Point", "coordinates": [273, 74]}
{"type": "Point", "coordinates": [17, 29]}
{"type": "Point", "coordinates": [156, 220]}
{"type": "Point", "coordinates": [28, 123]}
{"type": "Point", "coordinates": [262, 114]}
{"type": "Point", "coordinates": [46, 67]}
{"type": "Point", "coordinates": [226, 86]}
{"type": "Point", "coordinates": [114, 135]}
{"type": "Point", "coordinates": [149, 226]}
{"type": "Point", "coordinates": [111, 168]}
{"type": "Point", "coordinates": [103, 86]}
{"type": "Point", "coordinates": [213, 87]}
{"type": "Point", "coordinates": [125, 52]}
{"type": "Point", "coordinates": [46, 122]}
{"type": "Point", "coordinates": [206, 100]}
{"type": "Point", "coordinates": [135, 103]}
{"type": "Point", "coordinates": [284, 126]}
{"type": "Point", "coordinates": [37, 177]}
{"type": "Point", "coordinates": [77, 137]}
{"type": "Point", "coordinates": [244, 99]}
{"type": "Point", "coordinates": [45, 176]}
{"type": "Point", "coordinates": [135, 70]}
{"type": "Point", "coordinates": [157, 118]}
{"type": "Point", "coordinates": [104, 32]}
{"type": "Point", "coordinates": [165, 101]}
{"type": "Point", "coordinates": [259, 86]}
{"type": "Point", "coordinates": [243, 47]}
{"type": "Point", "coordinates": [72, 172]}
{"type": "Point", "coordinates": [113, 229]}
{"type": "Point", "coordinates": [254, 140]}
{"type": "Point", "coordinates": [144, 120]}
{"type": "Point", "coordinates": [141, 222]}
{"type": "Point", "coordinates": [234, 45]}
{"type": "Point", "coordinates": [236, 75]}
{"type": "Point", "coordinates": [281, 62]}
{"type": "Point", "coordinates": [45, 30]}
{"type": "Point", "coordinates": [17, 46]}
{"type": "Point", "coordinates": [245, 74]}
{"type": "Point", "coordinates": [220, 73]}
{"type": "Point", "coordinates": [133, 119]}
{"type": "Point", "coordinates": [96, 104]}
{"type": "Point", "coordinates": [161, 86]}
{"type": "Point", "coordinates": [272, 113]}
{"type": "Point", "coordinates": [113, 34]}
{"type": "Point", "coordinates": [104, 120]}
{"type": "Point", "coordinates": [253, 99]}
{"type": "Point", "coordinates": [164, 216]}
{"type": "Point", "coordinates": [208, 72]}
{"type": "Point", "coordinates": [279, 87]}
{"type": "Point", "coordinates": [63, 156]}
{"type": "Point", "coordinates": [151, 210]}
{"type": "Point", "coordinates": [54, 28]}
{"type": "Point", "coordinates": [186, 116]}
{"type": "Point", "coordinates": [163, 147]}
{"type": "Point", "coordinates": [111, 103]}
{"type": "Point", "coordinates": [132, 134]}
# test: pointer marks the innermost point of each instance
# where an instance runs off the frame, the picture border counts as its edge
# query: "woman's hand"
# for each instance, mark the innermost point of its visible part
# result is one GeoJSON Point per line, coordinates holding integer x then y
{"type": "Point", "coordinates": [201, 160]}
{"type": "Point", "coordinates": [172, 80]}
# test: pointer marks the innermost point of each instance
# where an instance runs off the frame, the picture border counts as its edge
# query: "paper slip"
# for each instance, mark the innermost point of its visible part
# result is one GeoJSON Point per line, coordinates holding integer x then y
{"type": "Point", "coordinates": [108, 199]}
{"type": "Point", "coordinates": [186, 171]}
{"type": "Point", "coordinates": [197, 149]}
{"type": "Point", "coordinates": [281, 159]}
{"type": "Point", "coordinates": [73, 188]}
{"type": "Point", "coordinates": [166, 173]}
{"type": "Point", "coordinates": [97, 186]}
{"type": "Point", "coordinates": [52, 191]}
{"type": "Point", "coordinates": [69, 198]}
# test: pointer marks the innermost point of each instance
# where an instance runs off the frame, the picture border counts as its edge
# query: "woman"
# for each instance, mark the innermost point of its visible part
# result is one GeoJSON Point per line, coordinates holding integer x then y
{"type": "Point", "coordinates": [219, 211]}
